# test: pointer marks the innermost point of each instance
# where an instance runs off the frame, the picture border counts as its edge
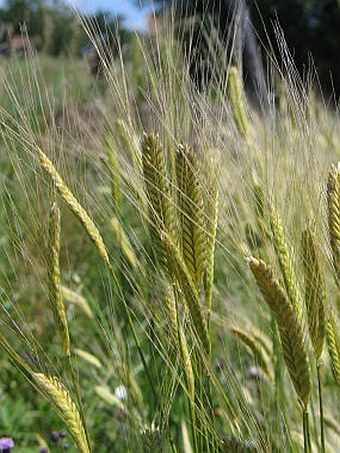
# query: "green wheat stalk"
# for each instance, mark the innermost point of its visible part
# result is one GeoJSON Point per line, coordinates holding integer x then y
{"type": "Point", "coordinates": [188, 287]}
{"type": "Point", "coordinates": [54, 281]}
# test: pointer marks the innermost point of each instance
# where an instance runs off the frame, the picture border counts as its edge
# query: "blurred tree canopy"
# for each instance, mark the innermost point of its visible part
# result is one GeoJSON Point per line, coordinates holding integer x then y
{"type": "Point", "coordinates": [53, 26]}
{"type": "Point", "coordinates": [311, 29]}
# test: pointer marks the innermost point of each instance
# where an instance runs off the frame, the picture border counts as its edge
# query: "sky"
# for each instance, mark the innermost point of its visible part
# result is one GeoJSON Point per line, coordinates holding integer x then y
{"type": "Point", "coordinates": [134, 17]}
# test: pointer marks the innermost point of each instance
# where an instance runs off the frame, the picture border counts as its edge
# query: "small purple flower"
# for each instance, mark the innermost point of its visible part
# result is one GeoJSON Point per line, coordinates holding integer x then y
{"type": "Point", "coordinates": [54, 436]}
{"type": "Point", "coordinates": [62, 434]}
{"type": "Point", "coordinates": [43, 450]}
{"type": "Point", "coordinates": [6, 444]}
{"type": "Point", "coordinates": [66, 446]}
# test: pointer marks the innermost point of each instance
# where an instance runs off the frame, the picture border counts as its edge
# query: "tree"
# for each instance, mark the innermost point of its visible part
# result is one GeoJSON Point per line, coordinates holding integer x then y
{"type": "Point", "coordinates": [220, 33]}
{"type": "Point", "coordinates": [311, 27]}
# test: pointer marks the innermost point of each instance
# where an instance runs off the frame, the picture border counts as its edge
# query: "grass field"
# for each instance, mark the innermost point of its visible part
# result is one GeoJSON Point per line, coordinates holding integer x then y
{"type": "Point", "coordinates": [169, 260]}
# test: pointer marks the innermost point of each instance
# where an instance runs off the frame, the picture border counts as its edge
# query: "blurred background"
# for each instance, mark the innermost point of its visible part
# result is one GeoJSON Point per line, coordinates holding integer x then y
{"type": "Point", "coordinates": [311, 28]}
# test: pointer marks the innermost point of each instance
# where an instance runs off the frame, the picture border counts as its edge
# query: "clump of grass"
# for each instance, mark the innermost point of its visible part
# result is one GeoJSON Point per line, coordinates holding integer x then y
{"type": "Point", "coordinates": [56, 393]}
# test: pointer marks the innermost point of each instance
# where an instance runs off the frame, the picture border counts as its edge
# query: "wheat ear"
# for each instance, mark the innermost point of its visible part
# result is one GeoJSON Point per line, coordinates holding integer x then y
{"type": "Point", "coordinates": [256, 349]}
{"type": "Point", "coordinates": [77, 299]}
{"type": "Point", "coordinates": [259, 200]}
{"type": "Point", "coordinates": [284, 259]}
{"type": "Point", "coordinates": [71, 201]}
{"type": "Point", "coordinates": [114, 172]}
{"type": "Point", "coordinates": [109, 398]}
{"type": "Point", "coordinates": [333, 198]}
{"type": "Point", "coordinates": [315, 291]}
{"type": "Point", "coordinates": [161, 210]}
{"type": "Point", "coordinates": [88, 357]}
{"type": "Point", "coordinates": [211, 212]}
{"type": "Point", "coordinates": [54, 281]}
{"type": "Point", "coordinates": [236, 94]}
{"type": "Point", "coordinates": [53, 390]}
{"type": "Point", "coordinates": [315, 301]}
{"type": "Point", "coordinates": [190, 203]}
{"type": "Point", "coordinates": [123, 240]}
{"type": "Point", "coordinates": [333, 340]}
{"type": "Point", "coordinates": [290, 328]}
{"type": "Point", "coordinates": [61, 399]}
{"type": "Point", "coordinates": [152, 439]}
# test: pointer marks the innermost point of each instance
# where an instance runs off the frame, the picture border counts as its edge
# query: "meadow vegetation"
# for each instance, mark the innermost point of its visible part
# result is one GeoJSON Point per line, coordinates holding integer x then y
{"type": "Point", "coordinates": [170, 258]}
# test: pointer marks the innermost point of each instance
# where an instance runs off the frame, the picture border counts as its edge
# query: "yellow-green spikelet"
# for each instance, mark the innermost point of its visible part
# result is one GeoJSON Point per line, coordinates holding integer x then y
{"type": "Point", "coordinates": [71, 201]}
{"type": "Point", "coordinates": [161, 209]}
{"type": "Point", "coordinates": [333, 198]}
{"type": "Point", "coordinates": [333, 340]}
{"type": "Point", "coordinates": [291, 331]}
{"type": "Point", "coordinates": [315, 291]}
{"type": "Point", "coordinates": [190, 203]}
{"type": "Point", "coordinates": [285, 262]}
{"type": "Point", "coordinates": [60, 397]}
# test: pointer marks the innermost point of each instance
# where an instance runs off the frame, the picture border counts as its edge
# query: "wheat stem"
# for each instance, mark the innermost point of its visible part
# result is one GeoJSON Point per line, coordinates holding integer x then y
{"type": "Point", "coordinates": [322, 424]}
{"type": "Point", "coordinates": [134, 333]}
{"type": "Point", "coordinates": [54, 279]}
{"type": "Point", "coordinates": [306, 433]}
{"type": "Point", "coordinates": [178, 267]}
